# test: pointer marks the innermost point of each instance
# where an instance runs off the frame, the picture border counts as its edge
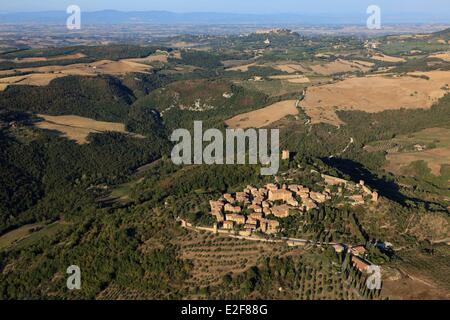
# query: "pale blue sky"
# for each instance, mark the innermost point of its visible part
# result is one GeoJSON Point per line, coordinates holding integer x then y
{"type": "Point", "coordinates": [430, 7]}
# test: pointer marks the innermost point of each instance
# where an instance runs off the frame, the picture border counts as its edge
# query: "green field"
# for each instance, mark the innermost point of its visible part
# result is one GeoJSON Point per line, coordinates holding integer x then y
{"type": "Point", "coordinates": [29, 234]}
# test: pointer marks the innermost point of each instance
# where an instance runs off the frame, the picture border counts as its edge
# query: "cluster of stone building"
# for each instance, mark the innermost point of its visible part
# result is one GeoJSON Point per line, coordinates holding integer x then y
{"type": "Point", "coordinates": [263, 202]}
{"type": "Point", "coordinates": [228, 211]}
{"type": "Point", "coordinates": [273, 200]}
{"type": "Point", "coordinates": [360, 189]}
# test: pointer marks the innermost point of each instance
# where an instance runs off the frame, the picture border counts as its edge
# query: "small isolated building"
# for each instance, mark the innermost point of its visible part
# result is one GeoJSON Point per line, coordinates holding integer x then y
{"type": "Point", "coordinates": [285, 155]}
{"type": "Point", "coordinates": [358, 250]}
{"type": "Point", "coordinates": [338, 248]}
{"type": "Point", "coordinates": [360, 264]}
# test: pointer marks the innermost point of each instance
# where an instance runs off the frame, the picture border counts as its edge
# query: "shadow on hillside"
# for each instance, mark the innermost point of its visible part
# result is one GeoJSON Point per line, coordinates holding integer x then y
{"type": "Point", "coordinates": [357, 172]}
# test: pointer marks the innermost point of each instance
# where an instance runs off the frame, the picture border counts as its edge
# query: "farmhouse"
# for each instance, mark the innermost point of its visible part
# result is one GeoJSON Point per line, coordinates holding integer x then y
{"type": "Point", "coordinates": [359, 264]}
{"type": "Point", "coordinates": [358, 250]}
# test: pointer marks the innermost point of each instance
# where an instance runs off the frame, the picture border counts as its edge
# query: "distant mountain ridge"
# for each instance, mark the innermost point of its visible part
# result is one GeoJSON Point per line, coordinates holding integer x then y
{"type": "Point", "coordinates": [166, 17]}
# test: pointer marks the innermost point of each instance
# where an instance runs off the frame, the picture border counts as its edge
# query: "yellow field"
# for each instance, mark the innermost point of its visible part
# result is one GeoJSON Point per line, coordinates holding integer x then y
{"type": "Point", "coordinates": [386, 58]}
{"type": "Point", "coordinates": [443, 56]}
{"type": "Point", "coordinates": [77, 128]}
{"type": "Point", "coordinates": [291, 67]}
{"type": "Point", "coordinates": [34, 79]}
{"type": "Point", "coordinates": [95, 68]}
{"type": "Point", "coordinates": [41, 76]}
{"type": "Point", "coordinates": [263, 117]}
{"type": "Point", "coordinates": [435, 158]}
{"type": "Point", "coordinates": [55, 58]}
{"type": "Point", "coordinates": [291, 78]}
{"type": "Point", "coordinates": [375, 94]}
{"type": "Point", "coordinates": [326, 68]}
{"type": "Point", "coordinates": [243, 68]}
{"type": "Point", "coordinates": [16, 235]}
{"type": "Point", "coordinates": [159, 56]}
{"type": "Point", "coordinates": [340, 66]}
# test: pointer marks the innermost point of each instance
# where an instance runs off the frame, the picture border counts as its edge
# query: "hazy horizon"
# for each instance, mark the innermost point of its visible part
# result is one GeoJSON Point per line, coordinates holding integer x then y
{"type": "Point", "coordinates": [439, 8]}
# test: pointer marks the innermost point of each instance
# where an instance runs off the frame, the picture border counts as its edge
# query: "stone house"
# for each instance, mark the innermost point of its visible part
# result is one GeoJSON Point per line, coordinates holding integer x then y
{"type": "Point", "coordinates": [231, 208]}
{"type": "Point", "coordinates": [281, 211]}
{"type": "Point", "coordinates": [228, 225]}
{"type": "Point", "coordinates": [280, 195]}
{"type": "Point", "coordinates": [358, 250]}
{"type": "Point", "coordinates": [271, 187]}
{"type": "Point", "coordinates": [229, 198]}
{"type": "Point", "coordinates": [237, 218]}
{"type": "Point", "coordinates": [285, 155]}
{"type": "Point", "coordinates": [359, 264]}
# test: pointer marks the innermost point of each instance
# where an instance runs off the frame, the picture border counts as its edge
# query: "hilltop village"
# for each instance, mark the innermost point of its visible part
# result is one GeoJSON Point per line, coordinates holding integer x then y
{"type": "Point", "coordinates": [255, 209]}
{"type": "Point", "coordinates": [258, 210]}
